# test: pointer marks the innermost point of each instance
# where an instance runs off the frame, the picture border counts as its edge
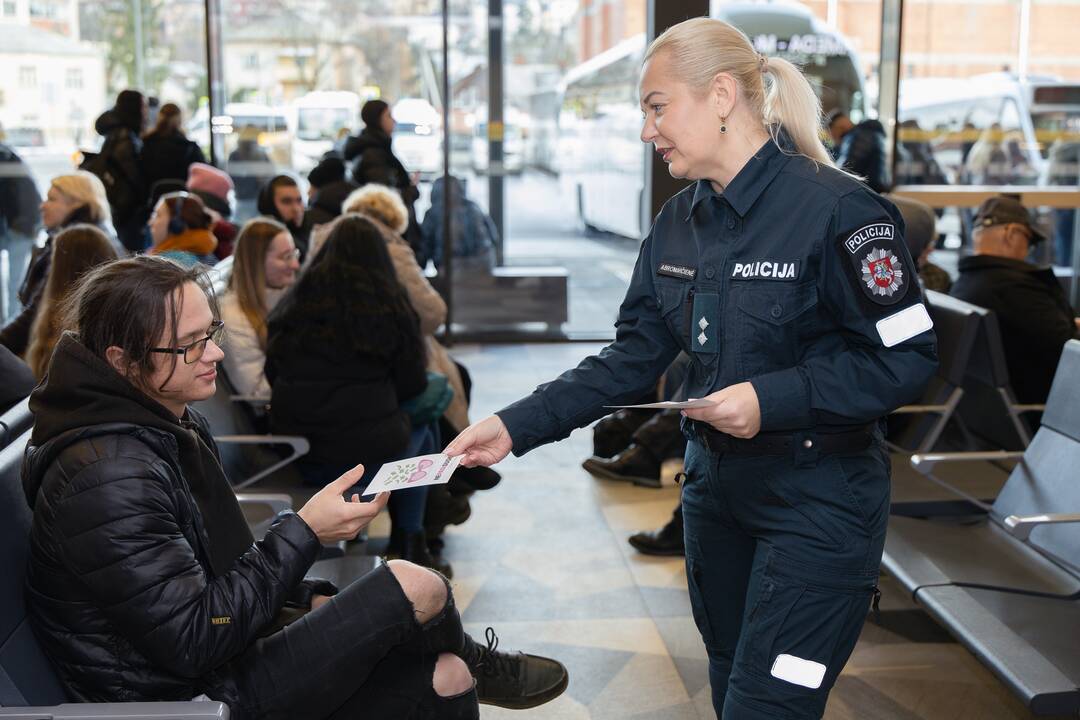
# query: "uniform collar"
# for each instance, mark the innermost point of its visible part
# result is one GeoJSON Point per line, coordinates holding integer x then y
{"type": "Point", "coordinates": [748, 184]}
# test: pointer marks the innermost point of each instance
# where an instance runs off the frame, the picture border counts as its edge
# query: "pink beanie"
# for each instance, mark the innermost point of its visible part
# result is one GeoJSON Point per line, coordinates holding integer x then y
{"type": "Point", "coordinates": [208, 179]}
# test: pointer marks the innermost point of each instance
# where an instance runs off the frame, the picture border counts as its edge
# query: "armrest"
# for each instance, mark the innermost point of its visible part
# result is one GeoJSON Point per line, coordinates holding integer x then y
{"type": "Point", "coordinates": [298, 446]}
{"type": "Point", "coordinates": [275, 502]}
{"type": "Point", "coordinates": [913, 409]}
{"type": "Point", "coordinates": [194, 710]}
{"type": "Point", "coordinates": [925, 463]}
{"type": "Point", "coordinates": [1020, 526]}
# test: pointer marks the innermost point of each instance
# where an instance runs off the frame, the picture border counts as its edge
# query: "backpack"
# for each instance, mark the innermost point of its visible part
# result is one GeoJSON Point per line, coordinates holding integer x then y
{"type": "Point", "coordinates": [121, 190]}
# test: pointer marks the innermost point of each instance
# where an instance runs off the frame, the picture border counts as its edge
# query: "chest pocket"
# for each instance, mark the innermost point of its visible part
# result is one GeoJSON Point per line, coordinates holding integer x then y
{"type": "Point", "coordinates": [773, 323]}
{"type": "Point", "coordinates": [671, 296]}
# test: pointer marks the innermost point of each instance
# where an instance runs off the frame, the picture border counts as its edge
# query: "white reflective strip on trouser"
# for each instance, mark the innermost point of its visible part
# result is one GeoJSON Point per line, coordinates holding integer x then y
{"type": "Point", "coordinates": [904, 325]}
{"type": "Point", "coordinates": [798, 671]}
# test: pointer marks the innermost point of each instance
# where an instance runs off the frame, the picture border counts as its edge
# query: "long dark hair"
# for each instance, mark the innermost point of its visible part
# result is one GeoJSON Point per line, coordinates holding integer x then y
{"type": "Point", "coordinates": [349, 300]}
{"type": "Point", "coordinates": [75, 251]}
{"type": "Point", "coordinates": [129, 303]}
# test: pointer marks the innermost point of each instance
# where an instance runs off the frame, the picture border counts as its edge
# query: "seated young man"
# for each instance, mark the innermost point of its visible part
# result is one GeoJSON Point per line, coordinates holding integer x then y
{"type": "Point", "coordinates": [1031, 308]}
{"type": "Point", "coordinates": [144, 582]}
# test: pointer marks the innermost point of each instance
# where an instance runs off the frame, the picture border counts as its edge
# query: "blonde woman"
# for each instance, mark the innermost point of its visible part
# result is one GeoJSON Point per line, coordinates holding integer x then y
{"type": "Point", "coordinates": [73, 199]}
{"type": "Point", "coordinates": [75, 250]}
{"type": "Point", "coordinates": [265, 264]}
{"type": "Point", "coordinates": [789, 285]}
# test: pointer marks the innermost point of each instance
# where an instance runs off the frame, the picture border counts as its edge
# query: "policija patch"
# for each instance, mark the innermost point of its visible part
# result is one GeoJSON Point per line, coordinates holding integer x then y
{"type": "Point", "coordinates": [875, 255]}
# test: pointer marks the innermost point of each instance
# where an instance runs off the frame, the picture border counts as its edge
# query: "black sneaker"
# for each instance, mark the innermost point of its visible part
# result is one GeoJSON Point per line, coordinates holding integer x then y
{"type": "Point", "coordinates": [515, 681]}
{"type": "Point", "coordinates": [634, 464]}
{"type": "Point", "coordinates": [668, 540]}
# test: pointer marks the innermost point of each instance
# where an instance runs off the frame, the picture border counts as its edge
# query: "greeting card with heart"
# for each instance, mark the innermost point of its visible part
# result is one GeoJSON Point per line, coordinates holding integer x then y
{"type": "Point", "coordinates": [413, 472]}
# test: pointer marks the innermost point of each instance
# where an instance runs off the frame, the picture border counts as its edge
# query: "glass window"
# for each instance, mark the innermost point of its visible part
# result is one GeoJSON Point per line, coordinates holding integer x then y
{"type": "Point", "coordinates": [72, 59]}
{"type": "Point", "coordinates": [297, 73]}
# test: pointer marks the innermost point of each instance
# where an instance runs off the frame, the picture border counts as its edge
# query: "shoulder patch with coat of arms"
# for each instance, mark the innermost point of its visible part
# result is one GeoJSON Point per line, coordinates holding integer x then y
{"type": "Point", "coordinates": [878, 264]}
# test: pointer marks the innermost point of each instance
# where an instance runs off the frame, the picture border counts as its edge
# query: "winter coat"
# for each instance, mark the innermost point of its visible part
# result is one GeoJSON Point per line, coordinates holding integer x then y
{"type": "Point", "coordinates": [473, 230]}
{"type": "Point", "coordinates": [862, 152]}
{"type": "Point", "coordinates": [16, 334]}
{"type": "Point", "coordinates": [19, 198]}
{"type": "Point", "coordinates": [244, 353]}
{"type": "Point", "coordinates": [1032, 312]}
{"type": "Point", "coordinates": [326, 203]}
{"type": "Point", "coordinates": [168, 157]}
{"type": "Point", "coordinates": [121, 587]}
{"type": "Point", "coordinates": [372, 155]}
{"type": "Point", "coordinates": [127, 195]}
{"type": "Point", "coordinates": [342, 394]}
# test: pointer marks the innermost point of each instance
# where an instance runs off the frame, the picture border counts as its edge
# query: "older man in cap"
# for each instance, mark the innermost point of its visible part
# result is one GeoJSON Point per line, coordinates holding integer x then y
{"type": "Point", "coordinates": [1034, 316]}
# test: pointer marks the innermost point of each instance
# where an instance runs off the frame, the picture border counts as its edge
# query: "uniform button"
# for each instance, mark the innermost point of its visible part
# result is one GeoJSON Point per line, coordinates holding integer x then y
{"type": "Point", "coordinates": [776, 311]}
{"type": "Point", "coordinates": [731, 224]}
{"type": "Point", "coordinates": [808, 444]}
{"type": "Point", "coordinates": [710, 272]}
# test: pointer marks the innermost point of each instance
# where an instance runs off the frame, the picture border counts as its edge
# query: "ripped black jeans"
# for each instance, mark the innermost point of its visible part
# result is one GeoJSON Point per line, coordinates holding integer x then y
{"type": "Point", "coordinates": [361, 656]}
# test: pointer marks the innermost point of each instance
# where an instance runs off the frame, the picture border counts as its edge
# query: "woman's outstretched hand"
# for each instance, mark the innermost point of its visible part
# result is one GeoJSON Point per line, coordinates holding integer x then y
{"type": "Point", "coordinates": [483, 443]}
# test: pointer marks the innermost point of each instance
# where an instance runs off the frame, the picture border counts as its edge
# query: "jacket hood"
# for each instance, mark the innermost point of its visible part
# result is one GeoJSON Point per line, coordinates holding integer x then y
{"type": "Point", "coordinates": [82, 396]}
{"type": "Point", "coordinates": [438, 190]}
{"type": "Point", "coordinates": [331, 196]}
{"type": "Point", "coordinates": [372, 138]}
{"type": "Point", "coordinates": [108, 121]}
{"type": "Point", "coordinates": [872, 126]}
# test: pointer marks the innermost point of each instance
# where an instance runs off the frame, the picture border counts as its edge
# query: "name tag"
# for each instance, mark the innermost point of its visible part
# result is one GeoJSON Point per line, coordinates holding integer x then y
{"type": "Point", "coordinates": [766, 270]}
{"type": "Point", "coordinates": [904, 325]}
{"type": "Point", "coordinates": [680, 272]}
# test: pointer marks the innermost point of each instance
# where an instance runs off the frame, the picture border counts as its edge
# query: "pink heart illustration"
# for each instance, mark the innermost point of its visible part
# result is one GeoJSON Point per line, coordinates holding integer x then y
{"type": "Point", "coordinates": [420, 473]}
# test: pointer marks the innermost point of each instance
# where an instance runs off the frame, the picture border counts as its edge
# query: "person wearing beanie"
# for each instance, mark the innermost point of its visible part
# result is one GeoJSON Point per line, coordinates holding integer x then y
{"type": "Point", "coordinates": [373, 161]}
{"type": "Point", "coordinates": [218, 193]}
{"type": "Point", "coordinates": [329, 188]}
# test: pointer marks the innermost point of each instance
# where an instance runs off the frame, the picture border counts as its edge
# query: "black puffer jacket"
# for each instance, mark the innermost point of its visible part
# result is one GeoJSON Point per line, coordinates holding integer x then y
{"type": "Point", "coordinates": [120, 585]}
{"type": "Point", "coordinates": [326, 204]}
{"type": "Point", "coordinates": [168, 157]}
{"type": "Point", "coordinates": [862, 151]}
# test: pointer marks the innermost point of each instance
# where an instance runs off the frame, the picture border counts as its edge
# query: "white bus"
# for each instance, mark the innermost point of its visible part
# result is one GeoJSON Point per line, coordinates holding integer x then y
{"type": "Point", "coordinates": [600, 158]}
{"type": "Point", "coordinates": [318, 119]}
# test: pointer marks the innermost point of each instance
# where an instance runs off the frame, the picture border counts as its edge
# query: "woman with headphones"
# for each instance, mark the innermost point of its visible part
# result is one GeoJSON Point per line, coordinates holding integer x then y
{"type": "Point", "coordinates": [789, 285]}
{"type": "Point", "coordinates": [180, 229]}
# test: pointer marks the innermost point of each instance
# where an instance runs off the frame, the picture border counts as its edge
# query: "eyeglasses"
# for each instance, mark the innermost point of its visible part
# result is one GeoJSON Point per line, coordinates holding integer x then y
{"type": "Point", "coordinates": [193, 353]}
{"type": "Point", "coordinates": [293, 254]}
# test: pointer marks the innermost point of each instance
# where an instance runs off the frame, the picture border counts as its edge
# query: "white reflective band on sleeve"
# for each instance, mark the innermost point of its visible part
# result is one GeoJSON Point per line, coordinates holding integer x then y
{"type": "Point", "coordinates": [798, 671]}
{"type": "Point", "coordinates": [904, 325]}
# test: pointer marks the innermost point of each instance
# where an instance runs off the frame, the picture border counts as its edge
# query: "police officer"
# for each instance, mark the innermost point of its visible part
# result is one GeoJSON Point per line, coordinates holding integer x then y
{"type": "Point", "coordinates": [789, 284]}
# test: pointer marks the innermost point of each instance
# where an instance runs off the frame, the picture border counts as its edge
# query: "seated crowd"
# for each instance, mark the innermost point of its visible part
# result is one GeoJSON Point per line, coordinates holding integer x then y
{"type": "Point", "coordinates": [142, 561]}
{"type": "Point", "coordinates": [145, 581]}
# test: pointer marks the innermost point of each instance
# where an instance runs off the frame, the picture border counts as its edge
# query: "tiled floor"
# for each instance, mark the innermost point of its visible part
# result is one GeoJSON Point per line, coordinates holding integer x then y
{"type": "Point", "coordinates": [544, 560]}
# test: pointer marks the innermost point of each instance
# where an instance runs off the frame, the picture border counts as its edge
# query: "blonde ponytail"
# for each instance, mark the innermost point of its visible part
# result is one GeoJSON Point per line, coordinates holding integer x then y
{"type": "Point", "coordinates": [790, 101]}
{"type": "Point", "coordinates": [776, 90]}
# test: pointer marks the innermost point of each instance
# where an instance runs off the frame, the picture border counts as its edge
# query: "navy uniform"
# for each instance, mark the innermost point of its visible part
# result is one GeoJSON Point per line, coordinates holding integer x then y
{"type": "Point", "coordinates": [796, 279]}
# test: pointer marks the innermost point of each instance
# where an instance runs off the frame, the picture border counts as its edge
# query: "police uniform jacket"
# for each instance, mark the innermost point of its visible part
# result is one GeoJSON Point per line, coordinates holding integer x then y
{"type": "Point", "coordinates": [795, 279]}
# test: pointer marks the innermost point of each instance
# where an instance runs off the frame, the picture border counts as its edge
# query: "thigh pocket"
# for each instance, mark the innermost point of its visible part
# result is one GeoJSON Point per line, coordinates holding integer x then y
{"type": "Point", "coordinates": [804, 626]}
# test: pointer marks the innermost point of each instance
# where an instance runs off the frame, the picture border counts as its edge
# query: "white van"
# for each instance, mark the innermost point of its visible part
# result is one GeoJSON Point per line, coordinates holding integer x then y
{"type": "Point", "coordinates": [418, 136]}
